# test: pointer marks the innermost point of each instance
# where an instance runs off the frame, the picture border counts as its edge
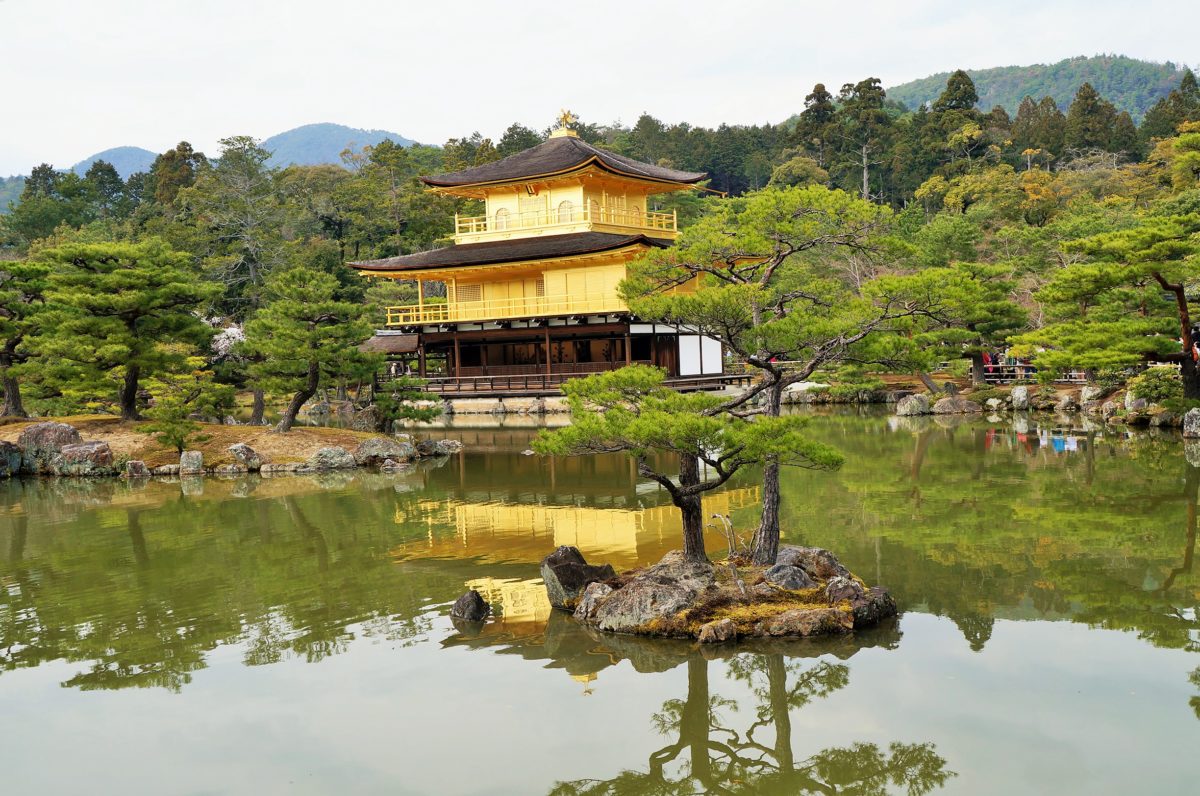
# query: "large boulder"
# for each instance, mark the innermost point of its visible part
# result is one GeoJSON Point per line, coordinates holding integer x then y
{"type": "Point", "coordinates": [10, 460]}
{"type": "Point", "coordinates": [956, 406]}
{"type": "Point", "coordinates": [470, 607]}
{"type": "Point", "coordinates": [788, 576]}
{"type": "Point", "coordinates": [84, 459]}
{"type": "Point", "coordinates": [1191, 424]}
{"type": "Point", "coordinates": [246, 456]}
{"type": "Point", "coordinates": [331, 458]}
{"type": "Point", "coordinates": [41, 442]}
{"type": "Point", "coordinates": [874, 605]}
{"type": "Point", "coordinates": [916, 404]}
{"type": "Point", "coordinates": [593, 595]}
{"type": "Point", "coordinates": [191, 463]}
{"type": "Point", "coordinates": [1020, 397]}
{"type": "Point", "coordinates": [716, 632]}
{"type": "Point", "coordinates": [1165, 418]}
{"type": "Point", "coordinates": [810, 622]}
{"type": "Point", "coordinates": [1067, 404]}
{"type": "Point", "coordinates": [655, 593]}
{"type": "Point", "coordinates": [819, 563]}
{"type": "Point", "coordinates": [841, 588]}
{"type": "Point", "coordinates": [367, 419]}
{"type": "Point", "coordinates": [136, 468]}
{"type": "Point", "coordinates": [375, 451]}
{"type": "Point", "coordinates": [1108, 409]}
{"type": "Point", "coordinates": [1094, 393]}
{"type": "Point", "coordinates": [438, 447]}
{"type": "Point", "coordinates": [566, 574]}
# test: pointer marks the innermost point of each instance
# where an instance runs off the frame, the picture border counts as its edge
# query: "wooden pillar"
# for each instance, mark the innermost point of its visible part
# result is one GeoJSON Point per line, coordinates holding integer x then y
{"type": "Point", "coordinates": [547, 339]}
{"type": "Point", "coordinates": [421, 299]}
{"type": "Point", "coordinates": [421, 356]}
{"type": "Point", "coordinates": [654, 349]}
{"type": "Point", "coordinates": [628, 352]}
{"type": "Point", "coordinates": [457, 355]}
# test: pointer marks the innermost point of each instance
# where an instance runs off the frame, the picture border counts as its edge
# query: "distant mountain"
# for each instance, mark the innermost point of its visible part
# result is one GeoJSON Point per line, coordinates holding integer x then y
{"type": "Point", "coordinates": [10, 191]}
{"type": "Point", "coordinates": [125, 159]}
{"type": "Point", "coordinates": [1130, 84]}
{"type": "Point", "coordinates": [313, 144]}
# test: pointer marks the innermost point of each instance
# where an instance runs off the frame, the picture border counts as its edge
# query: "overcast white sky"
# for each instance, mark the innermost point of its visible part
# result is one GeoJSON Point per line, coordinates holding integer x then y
{"type": "Point", "coordinates": [85, 75]}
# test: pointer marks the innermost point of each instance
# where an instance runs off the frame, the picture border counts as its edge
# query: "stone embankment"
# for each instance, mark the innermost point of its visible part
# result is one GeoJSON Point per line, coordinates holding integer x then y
{"type": "Point", "coordinates": [1096, 403]}
{"type": "Point", "coordinates": [807, 592]}
{"type": "Point", "coordinates": [58, 449]}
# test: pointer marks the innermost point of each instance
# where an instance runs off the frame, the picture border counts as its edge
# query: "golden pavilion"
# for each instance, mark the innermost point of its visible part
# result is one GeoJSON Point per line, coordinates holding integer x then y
{"type": "Point", "coordinates": [531, 285]}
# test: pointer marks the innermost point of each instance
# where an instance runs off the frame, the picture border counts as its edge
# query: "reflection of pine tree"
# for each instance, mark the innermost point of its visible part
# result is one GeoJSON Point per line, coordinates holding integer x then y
{"type": "Point", "coordinates": [720, 759]}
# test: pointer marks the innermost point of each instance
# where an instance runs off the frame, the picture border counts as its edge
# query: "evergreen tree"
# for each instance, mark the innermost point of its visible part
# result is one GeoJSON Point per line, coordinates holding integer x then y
{"type": "Point", "coordinates": [117, 312]}
{"type": "Point", "coordinates": [1181, 105]}
{"type": "Point", "coordinates": [304, 338]}
{"type": "Point", "coordinates": [785, 286]}
{"type": "Point", "coordinates": [1090, 121]}
{"type": "Point", "coordinates": [173, 171]}
{"type": "Point", "coordinates": [107, 189]}
{"type": "Point", "coordinates": [629, 410]}
{"type": "Point", "coordinates": [22, 298]}
{"type": "Point", "coordinates": [864, 130]}
{"type": "Point", "coordinates": [959, 95]}
{"type": "Point", "coordinates": [1126, 303]}
{"type": "Point", "coordinates": [812, 128]}
{"type": "Point", "coordinates": [517, 138]}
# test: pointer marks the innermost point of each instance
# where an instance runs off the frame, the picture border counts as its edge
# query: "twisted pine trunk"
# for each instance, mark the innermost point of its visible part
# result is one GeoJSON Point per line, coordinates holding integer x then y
{"type": "Point", "coordinates": [312, 381]}
{"type": "Point", "coordinates": [13, 407]}
{"type": "Point", "coordinates": [258, 408]}
{"type": "Point", "coordinates": [690, 507]}
{"type": "Point", "coordinates": [766, 538]}
{"type": "Point", "coordinates": [129, 393]}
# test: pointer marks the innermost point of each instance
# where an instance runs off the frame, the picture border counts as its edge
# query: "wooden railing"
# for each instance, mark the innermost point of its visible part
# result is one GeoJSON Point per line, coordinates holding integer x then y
{"type": "Point", "coordinates": [498, 309]}
{"type": "Point", "coordinates": [542, 219]}
{"type": "Point", "coordinates": [550, 384]}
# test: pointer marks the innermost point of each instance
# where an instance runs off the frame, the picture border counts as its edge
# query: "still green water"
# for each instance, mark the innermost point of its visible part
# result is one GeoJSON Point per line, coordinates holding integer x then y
{"type": "Point", "coordinates": [291, 635]}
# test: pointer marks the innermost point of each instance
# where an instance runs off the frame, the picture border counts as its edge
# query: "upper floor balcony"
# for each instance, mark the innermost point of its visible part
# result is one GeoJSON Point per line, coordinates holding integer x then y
{"type": "Point", "coordinates": [566, 217]}
{"type": "Point", "coordinates": [505, 309]}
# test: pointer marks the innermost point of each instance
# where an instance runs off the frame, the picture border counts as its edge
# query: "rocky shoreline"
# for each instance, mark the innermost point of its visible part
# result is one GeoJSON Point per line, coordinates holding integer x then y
{"type": "Point", "coordinates": [807, 592]}
{"type": "Point", "coordinates": [55, 449]}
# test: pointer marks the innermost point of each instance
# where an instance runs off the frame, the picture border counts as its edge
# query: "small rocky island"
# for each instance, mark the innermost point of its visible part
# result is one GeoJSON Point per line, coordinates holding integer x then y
{"type": "Point", "coordinates": [806, 593]}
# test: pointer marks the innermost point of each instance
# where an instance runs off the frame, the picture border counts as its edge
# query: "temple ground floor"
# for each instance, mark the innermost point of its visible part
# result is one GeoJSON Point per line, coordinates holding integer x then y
{"type": "Point", "coordinates": [534, 358]}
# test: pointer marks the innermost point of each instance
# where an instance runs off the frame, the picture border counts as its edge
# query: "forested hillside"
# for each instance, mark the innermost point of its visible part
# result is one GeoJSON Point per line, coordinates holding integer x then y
{"type": "Point", "coordinates": [1128, 83]}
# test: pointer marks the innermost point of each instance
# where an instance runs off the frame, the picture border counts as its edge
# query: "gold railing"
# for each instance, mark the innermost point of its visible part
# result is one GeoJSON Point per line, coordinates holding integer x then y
{"type": "Point", "coordinates": [497, 309]}
{"type": "Point", "coordinates": [541, 219]}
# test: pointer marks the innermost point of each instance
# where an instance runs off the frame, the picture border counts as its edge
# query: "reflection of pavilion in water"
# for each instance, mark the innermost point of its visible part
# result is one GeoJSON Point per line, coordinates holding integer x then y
{"type": "Point", "coordinates": [510, 507]}
{"type": "Point", "coordinates": [504, 531]}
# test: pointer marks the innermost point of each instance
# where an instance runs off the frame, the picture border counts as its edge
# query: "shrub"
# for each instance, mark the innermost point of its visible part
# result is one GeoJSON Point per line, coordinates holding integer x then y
{"type": "Point", "coordinates": [1157, 384]}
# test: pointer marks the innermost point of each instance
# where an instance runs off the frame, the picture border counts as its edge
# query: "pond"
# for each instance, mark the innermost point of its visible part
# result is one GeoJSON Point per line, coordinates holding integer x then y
{"type": "Point", "coordinates": [292, 634]}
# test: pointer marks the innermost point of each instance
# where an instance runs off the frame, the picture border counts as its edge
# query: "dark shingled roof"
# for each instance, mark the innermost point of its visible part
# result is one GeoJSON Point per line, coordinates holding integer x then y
{"type": "Point", "coordinates": [389, 343]}
{"type": "Point", "coordinates": [556, 156]}
{"type": "Point", "coordinates": [504, 251]}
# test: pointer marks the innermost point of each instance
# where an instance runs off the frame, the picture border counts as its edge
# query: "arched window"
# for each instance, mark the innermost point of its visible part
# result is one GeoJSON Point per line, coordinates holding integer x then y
{"type": "Point", "coordinates": [635, 216]}
{"type": "Point", "coordinates": [594, 211]}
{"type": "Point", "coordinates": [502, 218]}
{"type": "Point", "coordinates": [566, 212]}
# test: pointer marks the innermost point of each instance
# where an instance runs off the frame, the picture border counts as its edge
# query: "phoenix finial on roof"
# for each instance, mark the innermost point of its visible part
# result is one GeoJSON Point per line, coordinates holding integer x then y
{"type": "Point", "coordinates": [566, 119]}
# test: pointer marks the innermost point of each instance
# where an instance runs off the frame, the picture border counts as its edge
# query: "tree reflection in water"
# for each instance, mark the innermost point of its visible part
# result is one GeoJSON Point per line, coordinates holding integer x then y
{"type": "Point", "coordinates": [709, 755]}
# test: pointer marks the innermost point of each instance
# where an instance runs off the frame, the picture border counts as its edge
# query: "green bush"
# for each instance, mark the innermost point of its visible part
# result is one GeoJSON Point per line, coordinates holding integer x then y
{"type": "Point", "coordinates": [851, 390]}
{"type": "Point", "coordinates": [1157, 384]}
